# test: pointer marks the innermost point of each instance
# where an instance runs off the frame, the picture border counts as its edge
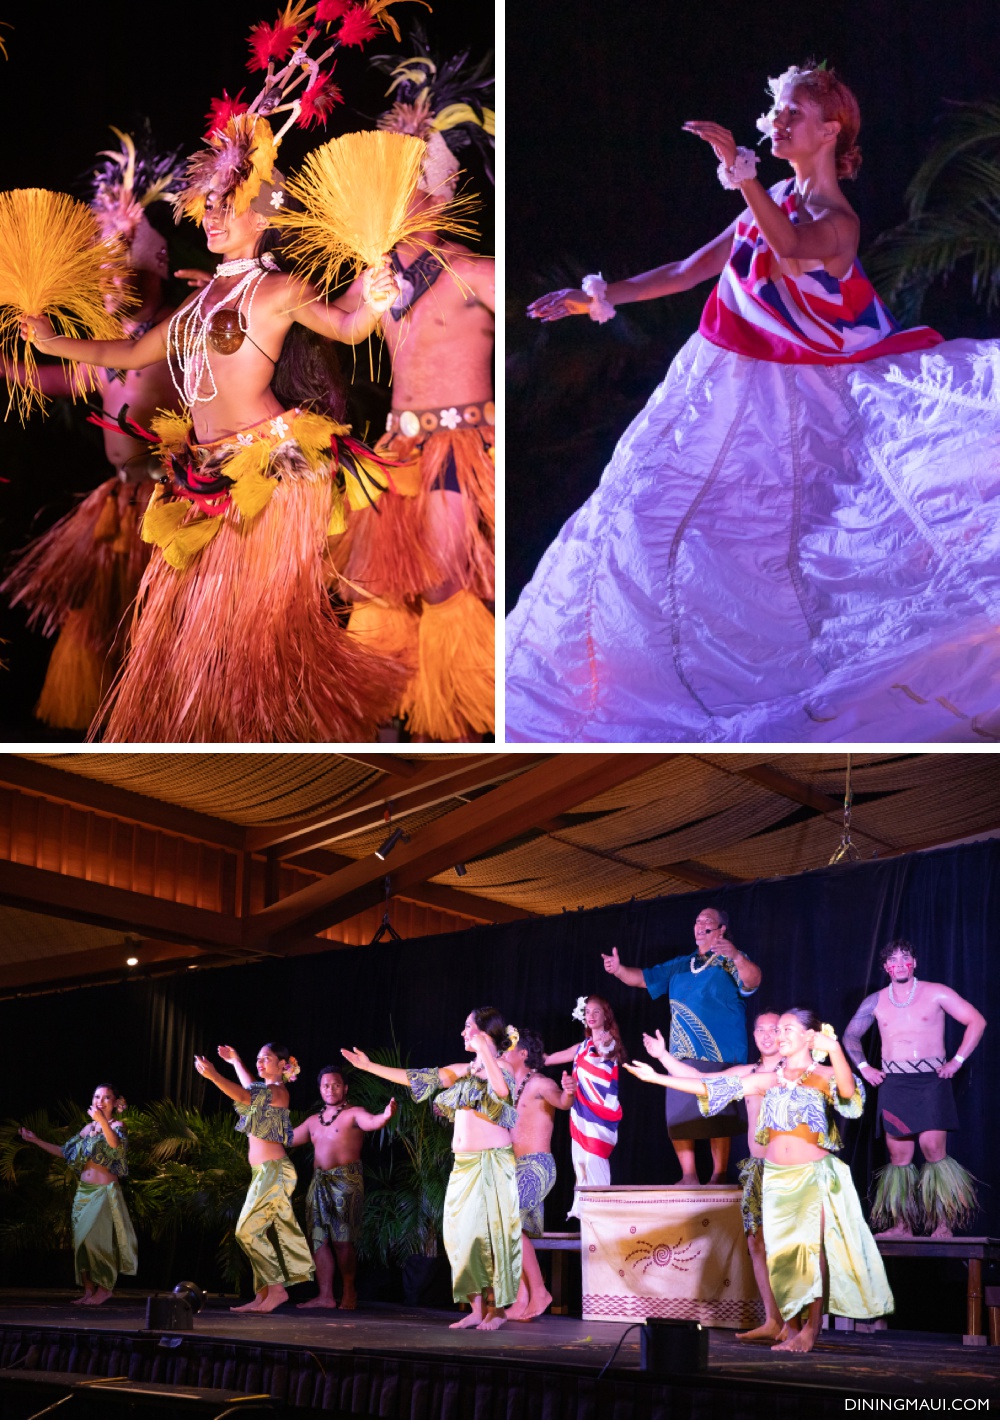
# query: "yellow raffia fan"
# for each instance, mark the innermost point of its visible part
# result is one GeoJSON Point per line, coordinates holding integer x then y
{"type": "Point", "coordinates": [356, 196]}
{"type": "Point", "coordinates": [54, 263]}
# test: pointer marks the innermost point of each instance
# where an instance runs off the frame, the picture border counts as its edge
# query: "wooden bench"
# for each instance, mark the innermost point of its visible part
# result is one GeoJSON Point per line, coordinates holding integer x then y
{"type": "Point", "coordinates": [973, 1252]}
{"type": "Point", "coordinates": [559, 1244]}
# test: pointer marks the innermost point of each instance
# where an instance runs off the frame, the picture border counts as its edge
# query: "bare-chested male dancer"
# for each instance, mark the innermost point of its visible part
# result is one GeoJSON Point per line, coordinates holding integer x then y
{"type": "Point", "coordinates": [536, 1099]}
{"type": "Point", "coordinates": [336, 1197]}
{"type": "Point", "coordinates": [429, 547]}
{"type": "Point", "coordinates": [765, 1029]}
{"type": "Point", "coordinates": [915, 1098]}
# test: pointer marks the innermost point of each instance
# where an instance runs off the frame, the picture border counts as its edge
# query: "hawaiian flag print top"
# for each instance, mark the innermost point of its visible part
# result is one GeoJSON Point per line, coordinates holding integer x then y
{"type": "Point", "coordinates": [595, 1113]}
{"type": "Point", "coordinates": [760, 310]}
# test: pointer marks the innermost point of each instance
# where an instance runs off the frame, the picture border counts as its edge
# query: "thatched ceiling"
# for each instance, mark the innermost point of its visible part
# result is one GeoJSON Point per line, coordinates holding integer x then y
{"type": "Point", "coordinates": [199, 859]}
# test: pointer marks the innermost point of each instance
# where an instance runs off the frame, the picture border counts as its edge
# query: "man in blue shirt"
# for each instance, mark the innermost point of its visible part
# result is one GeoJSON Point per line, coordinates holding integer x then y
{"type": "Point", "coordinates": [707, 991]}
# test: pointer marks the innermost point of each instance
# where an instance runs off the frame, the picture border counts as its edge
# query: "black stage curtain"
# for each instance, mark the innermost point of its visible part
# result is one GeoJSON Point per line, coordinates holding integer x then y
{"type": "Point", "coordinates": [816, 936]}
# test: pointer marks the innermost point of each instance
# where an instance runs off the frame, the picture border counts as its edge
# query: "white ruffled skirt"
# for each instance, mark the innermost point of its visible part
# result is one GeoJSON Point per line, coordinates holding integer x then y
{"type": "Point", "coordinates": [778, 553]}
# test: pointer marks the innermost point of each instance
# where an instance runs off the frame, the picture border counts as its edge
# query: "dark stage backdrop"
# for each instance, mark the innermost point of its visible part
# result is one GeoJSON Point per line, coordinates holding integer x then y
{"type": "Point", "coordinates": [603, 179]}
{"type": "Point", "coordinates": [816, 937]}
{"type": "Point", "coordinates": [71, 71]}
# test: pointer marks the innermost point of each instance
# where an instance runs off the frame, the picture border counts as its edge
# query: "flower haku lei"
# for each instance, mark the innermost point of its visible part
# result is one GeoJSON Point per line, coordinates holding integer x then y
{"type": "Point", "coordinates": [580, 1009]}
{"type": "Point", "coordinates": [784, 85]}
{"type": "Point", "coordinates": [292, 1070]}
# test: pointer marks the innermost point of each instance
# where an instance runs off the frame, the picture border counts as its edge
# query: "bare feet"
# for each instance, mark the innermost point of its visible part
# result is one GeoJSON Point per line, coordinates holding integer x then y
{"type": "Point", "coordinates": [687, 1181]}
{"type": "Point", "coordinates": [717, 1178]}
{"type": "Point", "coordinates": [898, 1230]}
{"type": "Point", "coordinates": [473, 1319]}
{"type": "Point", "coordinates": [942, 1231]}
{"type": "Point", "coordinates": [493, 1320]}
{"type": "Point", "coordinates": [253, 1306]}
{"type": "Point", "coordinates": [84, 1300]}
{"type": "Point", "coordinates": [540, 1302]}
{"type": "Point", "coordinates": [801, 1341]}
{"type": "Point", "coordinates": [327, 1302]}
{"type": "Point", "coordinates": [97, 1296]}
{"type": "Point", "coordinates": [349, 1300]}
{"type": "Point", "coordinates": [273, 1298]}
{"type": "Point", "coordinates": [769, 1331]}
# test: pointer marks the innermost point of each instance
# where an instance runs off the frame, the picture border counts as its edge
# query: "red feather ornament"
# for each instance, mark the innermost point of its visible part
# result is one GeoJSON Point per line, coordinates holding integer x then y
{"type": "Point", "coordinates": [269, 42]}
{"type": "Point", "coordinates": [318, 102]}
{"type": "Point", "coordinates": [329, 10]}
{"type": "Point", "coordinates": [222, 110]}
{"type": "Point", "coordinates": [357, 27]}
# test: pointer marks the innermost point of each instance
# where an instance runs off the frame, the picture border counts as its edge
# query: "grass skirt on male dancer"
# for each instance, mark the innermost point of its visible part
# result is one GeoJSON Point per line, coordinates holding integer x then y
{"type": "Point", "coordinates": [813, 1208]}
{"type": "Point", "coordinates": [78, 581]}
{"type": "Point", "coordinates": [234, 637]}
{"type": "Point", "coordinates": [403, 547]}
{"type": "Point", "coordinates": [482, 1226]}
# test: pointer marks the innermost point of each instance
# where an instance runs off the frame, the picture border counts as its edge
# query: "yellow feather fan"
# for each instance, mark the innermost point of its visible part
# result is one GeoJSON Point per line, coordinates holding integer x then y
{"type": "Point", "coordinates": [356, 196]}
{"type": "Point", "coordinates": [53, 263]}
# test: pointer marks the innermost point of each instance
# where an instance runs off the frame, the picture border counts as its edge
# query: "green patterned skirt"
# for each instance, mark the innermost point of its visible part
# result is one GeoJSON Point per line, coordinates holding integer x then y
{"type": "Point", "coordinates": [482, 1226]}
{"type": "Point", "coordinates": [335, 1205]}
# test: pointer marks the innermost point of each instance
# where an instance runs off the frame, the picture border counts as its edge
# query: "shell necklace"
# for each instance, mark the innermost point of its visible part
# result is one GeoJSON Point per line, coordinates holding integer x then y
{"type": "Point", "coordinates": [520, 1089]}
{"type": "Point", "coordinates": [709, 960]}
{"type": "Point", "coordinates": [190, 328]}
{"type": "Point", "coordinates": [901, 1005]}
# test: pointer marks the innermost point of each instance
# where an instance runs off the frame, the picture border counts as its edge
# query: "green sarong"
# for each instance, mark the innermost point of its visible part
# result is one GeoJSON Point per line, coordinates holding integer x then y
{"type": "Point", "coordinates": [482, 1226]}
{"type": "Point", "coordinates": [335, 1204]}
{"type": "Point", "coordinates": [267, 1230]}
{"type": "Point", "coordinates": [103, 1238]}
{"type": "Point", "coordinates": [813, 1207]}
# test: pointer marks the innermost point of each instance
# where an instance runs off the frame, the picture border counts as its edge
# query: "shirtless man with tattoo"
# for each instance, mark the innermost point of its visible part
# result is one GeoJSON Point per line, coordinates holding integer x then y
{"type": "Point", "coordinates": [915, 1098]}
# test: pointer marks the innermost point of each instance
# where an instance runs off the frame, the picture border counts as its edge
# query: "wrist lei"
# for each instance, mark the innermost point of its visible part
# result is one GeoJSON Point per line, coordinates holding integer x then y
{"type": "Point", "coordinates": [596, 288]}
{"type": "Point", "coordinates": [862, 1064]}
{"type": "Point", "coordinates": [743, 166]}
{"type": "Point", "coordinates": [960, 1059]}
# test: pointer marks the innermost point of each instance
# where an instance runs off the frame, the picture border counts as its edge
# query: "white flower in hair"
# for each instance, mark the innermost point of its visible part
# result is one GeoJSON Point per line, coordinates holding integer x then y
{"type": "Point", "coordinates": [781, 90]}
{"type": "Point", "coordinates": [579, 1010]}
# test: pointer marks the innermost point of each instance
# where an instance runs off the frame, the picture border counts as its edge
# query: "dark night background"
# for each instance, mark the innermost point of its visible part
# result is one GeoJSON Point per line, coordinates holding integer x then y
{"type": "Point", "coordinates": [71, 72]}
{"type": "Point", "coordinates": [603, 179]}
{"type": "Point", "coordinates": [816, 937]}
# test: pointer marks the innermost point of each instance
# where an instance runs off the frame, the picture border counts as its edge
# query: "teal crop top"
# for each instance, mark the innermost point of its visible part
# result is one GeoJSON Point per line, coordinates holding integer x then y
{"type": "Point", "coordinates": [781, 1109]}
{"type": "Point", "coordinates": [260, 1119]}
{"type": "Point", "coordinates": [84, 1149]}
{"type": "Point", "coordinates": [470, 1092]}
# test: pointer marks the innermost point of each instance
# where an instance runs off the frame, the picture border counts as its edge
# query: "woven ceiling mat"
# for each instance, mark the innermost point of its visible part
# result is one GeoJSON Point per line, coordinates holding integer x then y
{"type": "Point", "coordinates": [547, 875]}
{"type": "Point", "coordinates": [795, 849]}
{"type": "Point", "coordinates": [241, 788]}
{"type": "Point", "coordinates": [692, 794]}
{"type": "Point", "coordinates": [28, 936]}
{"type": "Point", "coordinates": [733, 826]}
{"type": "Point", "coordinates": [955, 803]}
{"type": "Point", "coordinates": [905, 772]}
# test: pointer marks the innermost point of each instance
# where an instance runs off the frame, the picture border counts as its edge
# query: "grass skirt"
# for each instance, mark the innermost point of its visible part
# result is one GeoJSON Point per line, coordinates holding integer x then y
{"type": "Point", "coordinates": [811, 1208]}
{"type": "Point", "coordinates": [78, 581]}
{"type": "Point", "coordinates": [238, 641]}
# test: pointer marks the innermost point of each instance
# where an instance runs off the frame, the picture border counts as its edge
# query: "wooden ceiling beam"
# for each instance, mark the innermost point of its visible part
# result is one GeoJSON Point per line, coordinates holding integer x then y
{"type": "Point", "coordinates": [395, 765]}
{"type": "Point", "coordinates": [465, 904]}
{"type": "Point", "coordinates": [447, 777]}
{"type": "Point", "coordinates": [95, 961]}
{"type": "Point", "coordinates": [19, 772]}
{"type": "Point", "coordinates": [77, 900]}
{"type": "Point", "coordinates": [556, 784]}
{"type": "Point", "coordinates": [792, 789]}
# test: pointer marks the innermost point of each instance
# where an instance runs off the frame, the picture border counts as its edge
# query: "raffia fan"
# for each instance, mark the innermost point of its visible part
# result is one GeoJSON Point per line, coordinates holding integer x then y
{"type": "Point", "coordinates": [54, 263]}
{"type": "Point", "coordinates": [356, 204]}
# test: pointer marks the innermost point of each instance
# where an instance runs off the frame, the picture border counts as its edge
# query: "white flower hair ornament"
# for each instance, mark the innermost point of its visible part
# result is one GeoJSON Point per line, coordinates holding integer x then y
{"type": "Point", "coordinates": [291, 1071]}
{"type": "Point", "coordinates": [580, 1009]}
{"type": "Point", "coordinates": [513, 1035]}
{"type": "Point", "coordinates": [781, 90]}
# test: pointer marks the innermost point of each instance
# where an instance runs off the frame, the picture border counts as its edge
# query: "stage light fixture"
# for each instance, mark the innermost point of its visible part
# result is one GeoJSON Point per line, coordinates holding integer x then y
{"type": "Point", "coordinates": [396, 836]}
{"type": "Point", "coordinates": [131, 961]}
{"type": "Point", "coordinates": [460, 870]}
{"type": "Point", "coordinates": [177, 1310]}
{"type": "Point", "coordinates": [670, 1347]}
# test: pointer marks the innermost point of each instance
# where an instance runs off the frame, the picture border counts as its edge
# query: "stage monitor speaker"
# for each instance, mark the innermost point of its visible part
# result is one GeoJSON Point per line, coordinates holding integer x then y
{"type": "Point", "coordinates": [673, 1347]}
{"type": "Point", "coordinates": [169, 1313]}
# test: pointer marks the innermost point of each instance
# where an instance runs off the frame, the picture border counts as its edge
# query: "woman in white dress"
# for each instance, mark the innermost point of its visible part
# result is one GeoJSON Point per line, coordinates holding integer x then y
{"type": "Point", "coordinates": [799, 536]}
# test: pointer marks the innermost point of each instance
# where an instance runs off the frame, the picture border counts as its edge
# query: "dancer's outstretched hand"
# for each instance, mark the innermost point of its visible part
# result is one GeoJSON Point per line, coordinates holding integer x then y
{"type": "Point", "coordinates": [611, 963]}
{"type": "Point", "coordinates": [37, 330]}
{"type": "Point", "coordinates": [722, 142]}
{"type": "Point", "coordinates": [643, 1071]}
{"type": "Point", "coordinates": [655, 1045]}
{"type": "Point", "coordinates": [357, 1058]}
{"type": "Point", "coordinates": [226, 1052]}
{"type": "Point", "coordinates": [557, 304]}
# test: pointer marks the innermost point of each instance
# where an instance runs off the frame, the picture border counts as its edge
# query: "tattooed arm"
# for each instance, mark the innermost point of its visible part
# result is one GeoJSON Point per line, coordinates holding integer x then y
{"type": "Point", "coordinates": [862, 1019]}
